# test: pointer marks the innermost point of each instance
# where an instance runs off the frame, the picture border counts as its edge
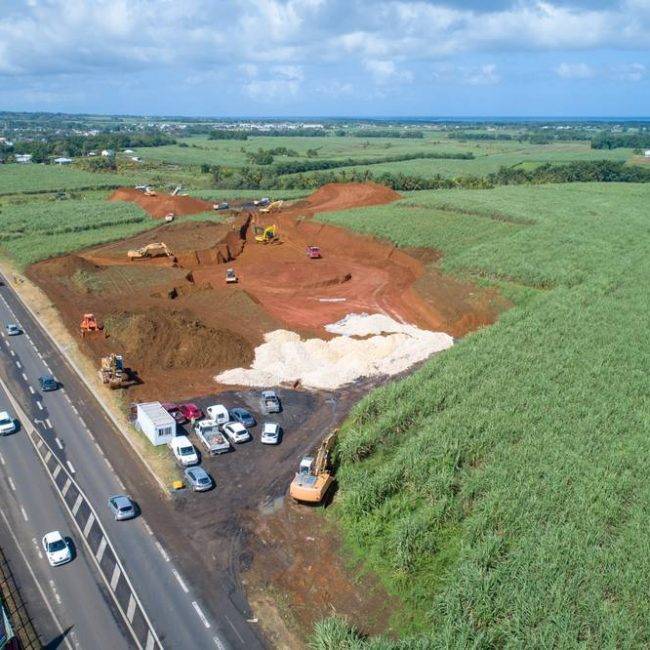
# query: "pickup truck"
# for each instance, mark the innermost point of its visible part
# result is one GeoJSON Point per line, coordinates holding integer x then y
{"type": "Point", "coordinates": [270, 402]}
{"type": "Point", "coordinates": [213, 440]}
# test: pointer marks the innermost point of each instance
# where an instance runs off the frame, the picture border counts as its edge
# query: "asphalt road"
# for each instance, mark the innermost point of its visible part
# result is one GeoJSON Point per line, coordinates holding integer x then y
{"type": "Point", "coordinates": [68, 419]}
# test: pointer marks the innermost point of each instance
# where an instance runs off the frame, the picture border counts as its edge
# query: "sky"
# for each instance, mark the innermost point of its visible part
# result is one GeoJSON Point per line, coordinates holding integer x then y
{"type": "Point", "coordinates": [326, 57]}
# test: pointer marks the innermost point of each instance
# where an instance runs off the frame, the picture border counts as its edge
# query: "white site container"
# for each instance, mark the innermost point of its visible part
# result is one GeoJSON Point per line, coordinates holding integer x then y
{"type": "Point", "coordinates": [155, 423]}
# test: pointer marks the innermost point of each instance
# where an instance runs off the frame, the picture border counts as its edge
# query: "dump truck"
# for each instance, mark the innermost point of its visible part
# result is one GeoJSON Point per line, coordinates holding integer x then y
{"type": "Point", "coordinates": [89, 325]}
{"type": "Point", "coordinates": [112, 371]}
{"type": "Point", "coordinates": [156, 249]}
{"type": "Point", "coordinates": [211, 437]}
{"type": "Point", "coordinates": [272, 207]}
{"type": "Point", "coordinates": [314, 476]}
{"type": "Point", "coordinates": [268, 235]}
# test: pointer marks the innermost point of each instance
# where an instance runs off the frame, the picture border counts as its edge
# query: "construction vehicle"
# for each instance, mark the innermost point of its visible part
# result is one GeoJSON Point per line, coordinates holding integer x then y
{"type": "Point", "coordinates": [112, 371]}
{"type": "Point", "coordinates": [314, 477]}
{"type": "Point", "coordinates": [231, 276]}
{"type": "Point", "coordinates": [89, 325]}
{"type": "Point", "coordinates": [149, 192]}
{"type": "Point", "coordinates": [313, 253]}
{"type": "Point", "coordinates": [268, 235]}
{"type": "Point", "coordinates": [272, 207]}
{"type": "Point", "coordinates": [156, 249]}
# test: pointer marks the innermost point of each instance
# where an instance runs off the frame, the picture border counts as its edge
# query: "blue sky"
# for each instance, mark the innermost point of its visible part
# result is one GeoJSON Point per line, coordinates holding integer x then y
{"type": "Point", "coordinates": [326, 57]}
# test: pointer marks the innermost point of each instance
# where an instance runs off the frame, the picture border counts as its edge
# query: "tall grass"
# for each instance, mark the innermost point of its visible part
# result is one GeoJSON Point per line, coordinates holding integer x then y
{"type": "Point", "coordinates": [502, 491]}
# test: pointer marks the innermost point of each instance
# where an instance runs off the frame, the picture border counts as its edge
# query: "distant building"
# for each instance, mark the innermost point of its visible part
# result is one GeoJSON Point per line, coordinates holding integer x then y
{"type": "Point", "coordinates": [646, 153]}
{"type": "Point", "coordinates": [128, 151]}
{"type": "Point", "coordinates": [107, 152]}
{"type": "Point", "coordinates": [136, 159]}
{"type": "Point", "coordinates": [63, 161]}
{"type": "Point", "coordinates": [23, 158]}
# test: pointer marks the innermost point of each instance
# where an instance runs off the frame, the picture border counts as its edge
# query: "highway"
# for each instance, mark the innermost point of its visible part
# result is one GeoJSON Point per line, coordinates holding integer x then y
{"type": "Point", "coordinates": [66, 419]}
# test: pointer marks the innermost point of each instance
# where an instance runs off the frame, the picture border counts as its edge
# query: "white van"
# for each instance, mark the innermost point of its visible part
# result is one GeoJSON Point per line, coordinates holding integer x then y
{"type": "Point", "coordinates": [218, 413]}
{"type": "Point", "coordinates": [183, 451]}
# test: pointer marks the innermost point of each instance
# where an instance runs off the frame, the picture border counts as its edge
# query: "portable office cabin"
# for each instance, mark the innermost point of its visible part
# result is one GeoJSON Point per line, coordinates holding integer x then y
{"type": "Point", "coordinates": [156, 423]}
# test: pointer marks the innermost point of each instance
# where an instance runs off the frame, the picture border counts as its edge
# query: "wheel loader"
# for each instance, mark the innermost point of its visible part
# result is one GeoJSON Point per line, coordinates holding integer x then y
{"type": "Point", "coordinates": [314, 477]}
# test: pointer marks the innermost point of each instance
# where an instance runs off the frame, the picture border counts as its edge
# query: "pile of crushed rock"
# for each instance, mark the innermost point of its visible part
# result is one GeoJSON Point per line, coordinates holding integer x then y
{"type": "Point", "coordinates": [367, 346]}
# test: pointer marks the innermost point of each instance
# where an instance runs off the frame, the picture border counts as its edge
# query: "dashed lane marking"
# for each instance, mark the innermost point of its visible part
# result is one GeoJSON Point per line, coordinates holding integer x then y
{"type": "Point", "coordinates": [200, 614]}
{"type": "Point", "coordinates": [59, 444]}
{"type": "Point", "coordinates": [38, 403]}
{"type": "Point", "coordinates": [235, 630]}
{"type": "Point", "coordinates": [31, 390]}
{"type": "Point", "coordinates": [70, 467]}
{"type": "Point", "coordinates": [180, 581]}
{"type": "Point", "coordinates": [22, 510]}
{"type": "Point", "coordinates": [162, 551]}
{"type": "Point", "coordinates": [37, 547]}
{"type": "Point", "coordinates": [49, 424]}
{"type": "Point", "coordinates": [24, 376]}
{"type": "Point", "coordinates": [19, 365]}
{"type": "Point", "coordinates": [56, 593]}
{"type": "Point", "coordinates": [2, 459]}
{"type": "Point", "coordinates": [11, 483]}
{"type": "Point", "coordinates": [12, 353]}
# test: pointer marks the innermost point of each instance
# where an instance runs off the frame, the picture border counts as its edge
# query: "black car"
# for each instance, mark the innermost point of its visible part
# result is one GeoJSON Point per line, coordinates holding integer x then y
{"type": "Point", "coordinates": [48, 383]}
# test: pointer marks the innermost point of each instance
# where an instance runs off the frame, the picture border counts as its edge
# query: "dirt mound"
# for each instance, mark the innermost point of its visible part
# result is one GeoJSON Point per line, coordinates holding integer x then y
{"type": "Point", "coordinates": [162, 204]}
{"type": "Point", "coordinates": [170, 340]}
{"type": "Point", "coordinates": [342, 196]}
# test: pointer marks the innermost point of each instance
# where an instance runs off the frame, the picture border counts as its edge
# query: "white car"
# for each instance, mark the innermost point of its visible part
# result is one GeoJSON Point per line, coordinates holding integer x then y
{"type": "Point", "coordinates": [270, 434]}
{"type": "Point", "coordinates": [56, 548]}
{"type": "Point", "coordinates": [218, 413]}
{"type": "Point", "coordinates": [184, 451]}
{"type": "Point", "coordinates": [7, 423]}
{"type": "Point", "coordinates": [237, 432]}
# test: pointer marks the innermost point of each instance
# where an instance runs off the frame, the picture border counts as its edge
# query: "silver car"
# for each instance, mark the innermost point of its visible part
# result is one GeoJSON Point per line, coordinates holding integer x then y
{"type": "Point", "coordinates": [122, 507]}
{"type": "Point", "coordinates": [198, 479]}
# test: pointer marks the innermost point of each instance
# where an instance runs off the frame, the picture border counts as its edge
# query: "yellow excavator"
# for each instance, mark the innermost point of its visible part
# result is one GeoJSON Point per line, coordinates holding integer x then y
{"type": "Point", "coordinates": [112, 371]}
{"type": "Point", "coordinates": [314, 477]}
{"type": "Point", "coordinates": [268, 235]}
{"type": "Point", "coordinates": [272, 207]}
{"type": "Point", "coordinates": [150, 250]}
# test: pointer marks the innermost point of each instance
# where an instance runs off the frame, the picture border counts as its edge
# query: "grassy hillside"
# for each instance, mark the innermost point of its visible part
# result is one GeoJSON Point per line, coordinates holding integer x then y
{"type": "Point", "coordinates": [502, 491]}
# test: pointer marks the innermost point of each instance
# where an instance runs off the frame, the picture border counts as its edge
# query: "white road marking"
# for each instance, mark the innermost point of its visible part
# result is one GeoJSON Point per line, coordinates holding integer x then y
{"type": "Point", "coordinates": [163, 552]}
{"type": "Point", "coordinates": [70, 467]}
{"type": "Point", "coordinates": [89, 524]}
{"type": "Point", "coordinates": [49, 424]}
{"type": "Point", "coordinates": [24, 376]}
{"type": "Point", "coordinates": [148, 527]}
{"type": "Point", "coordinates": [200, 614]}
{"type": "Point", "coordinates": [59, 444]}
{"type": "Point", "coordinates": [217, 642]}
{"type": "Point", "coordinates": [115, 577]}
{"type": "Point", "coordinates": [66, 487]}
{"type": "Point", "coordinates": [37, 547]}
{"type": "Point", "coordinates": [180, 581]}
{"type": "Point", "coordinates": [12, 353]}
{"type": "Point", "coordinates": [18, 365]}
{"type": "Point", "coordinates": [48, 456]}
{"type": "Point", "coordinates": [31, 390]}
{"type": "Point", "coordinates": [77, 504]}
{"type": "Point", "coordinates": [130, 610]}
{"type": "Point", "coordinates": [74, 408]}
{"type": "Point", "coordinates": [7, 343]}
{"type": "Point", "coordinates": [56, 593]}
{"type": "Point", "coordinates": [38, 403]}
{"type": "Point", "coordinates": [150, 641]}
{"type": "Point", "coordinates": [100, 551]}
{"type": "Point", "coordinates": [39, 354]}
{"type": "Point", "coordinates": [25, 517]}
{"type": "Point", "coordinates": [57, 471]}
{"type": "Point", "coordinates": [2, 459]}
{"type": "Point", "coordinates": [11, 483]}
{"type": "Point", "coordinates": [235, 630]}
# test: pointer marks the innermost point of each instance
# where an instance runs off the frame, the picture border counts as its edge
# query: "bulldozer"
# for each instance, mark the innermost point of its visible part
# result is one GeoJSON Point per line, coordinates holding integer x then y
{"type": "Point", "coordinates": [268, 235]}
{"type": "Point", "coordinates": [272, 207]}
{"type": "Point", "coordinates": [112, 371]}
{"type": "Point", "coordinates": [89, 325]}
{"type": "Point", "coordinates": [150, 250]}
{"type": "Point", "coordinates": [314, 477]}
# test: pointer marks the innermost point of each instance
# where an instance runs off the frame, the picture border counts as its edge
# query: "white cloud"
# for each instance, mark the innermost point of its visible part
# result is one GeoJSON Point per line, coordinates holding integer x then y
{"type": "Point", "coordinates": [386, 71]}
{"type": "Point", "coordinates": [575, 71]}
{"type": "Point", "coordinates": [629, 72]}
{"type": "Point", "coordinates": [483, 75]}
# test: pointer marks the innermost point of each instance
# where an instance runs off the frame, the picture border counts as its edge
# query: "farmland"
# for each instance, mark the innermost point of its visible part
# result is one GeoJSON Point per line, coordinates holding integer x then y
{"type": "Point", "coordinates": [501, 491]}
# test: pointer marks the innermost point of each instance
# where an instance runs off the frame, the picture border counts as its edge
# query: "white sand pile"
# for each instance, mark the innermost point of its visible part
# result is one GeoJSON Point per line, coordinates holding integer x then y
{"type": "Point", "coordinates": [390, 348]}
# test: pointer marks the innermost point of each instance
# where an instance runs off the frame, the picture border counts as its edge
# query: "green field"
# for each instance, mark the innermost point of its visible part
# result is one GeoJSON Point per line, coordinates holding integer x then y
{"type": "Point", "coordinates": [502, 491]}
{"type": "Point", "coordinates": [15, 179]}
{"type": "Point", "coordinates": [40, 228]}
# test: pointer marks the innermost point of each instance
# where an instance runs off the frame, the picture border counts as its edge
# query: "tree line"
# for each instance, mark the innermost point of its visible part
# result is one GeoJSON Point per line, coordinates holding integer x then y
{"type": "Point", "coordinates": [605, 140]}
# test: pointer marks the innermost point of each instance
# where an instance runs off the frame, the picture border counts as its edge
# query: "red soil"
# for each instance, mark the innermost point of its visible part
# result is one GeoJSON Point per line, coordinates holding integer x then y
{"type": "Point", "coordinates": [162, 204]}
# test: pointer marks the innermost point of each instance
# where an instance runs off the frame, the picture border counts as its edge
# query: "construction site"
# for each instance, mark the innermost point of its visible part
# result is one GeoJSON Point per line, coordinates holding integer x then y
{"type": "Point", "coordinates": [187, 301]}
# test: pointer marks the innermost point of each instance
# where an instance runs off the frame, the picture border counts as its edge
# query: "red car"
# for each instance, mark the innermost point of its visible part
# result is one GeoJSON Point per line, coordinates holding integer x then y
{"type": "Point", "coordinates": [190, 411]}
{"type": "Point", "coordinates": [173, 410]}
{"type": "Point", "coordinates": [313, 253]}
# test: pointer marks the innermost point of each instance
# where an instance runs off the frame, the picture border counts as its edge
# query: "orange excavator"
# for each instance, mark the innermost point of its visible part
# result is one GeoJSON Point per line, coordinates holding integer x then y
{"type": "Point", "coordinates": [314, 477]}
{"type": "Point", "coordinates": [89, 325]}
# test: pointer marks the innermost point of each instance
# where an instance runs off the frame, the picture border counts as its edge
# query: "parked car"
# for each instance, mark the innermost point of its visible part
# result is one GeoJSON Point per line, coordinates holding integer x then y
{"type": "Point", "coordinates": [198, 479]}
{"type": "Point", "coordinates": [218, 413]}
{"type": "Point", "coordinates": [7, 423]}
{"type": "Point", "coordinates": [184, 451]}
{"type": "Point", "coordinates": [56, 548]}
{"type": "Point", "coordinates": [12, 329]}
{"type": "Point", "coordinates": [175, 412]}
{"type": "Point", "coordinates": [220, 206]}
{"type": "Point", "coordinates": [270, 433]}
{"type": "Point", "coordinates": [48, 383]}
{"type": "Point", "coordinates": [237, 432]}
{"type": "Point", "coordinates": [190, 411]}
{"type": "Point", "coordinates": [270, 402]}
{"type": "Point", "coordinates": [122, 507]}
{"type": "Point", "coordinates": [240, 414]}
